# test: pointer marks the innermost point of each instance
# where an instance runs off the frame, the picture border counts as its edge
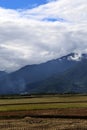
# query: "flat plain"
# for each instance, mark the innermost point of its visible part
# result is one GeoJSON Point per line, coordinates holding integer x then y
{"type": "Point", "coordinates": [43, 112]}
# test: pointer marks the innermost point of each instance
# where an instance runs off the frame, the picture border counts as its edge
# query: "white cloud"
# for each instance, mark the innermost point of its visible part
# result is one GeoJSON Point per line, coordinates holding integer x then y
{"type": "Point", "coordinates": [26, 38]}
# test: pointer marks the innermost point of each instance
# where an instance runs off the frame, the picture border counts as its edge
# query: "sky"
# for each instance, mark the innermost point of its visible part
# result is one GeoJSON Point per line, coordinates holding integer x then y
{"type": "Point", "coordinates": [21, 4]}
{"type": "Point", "coordinates": [35, 31]}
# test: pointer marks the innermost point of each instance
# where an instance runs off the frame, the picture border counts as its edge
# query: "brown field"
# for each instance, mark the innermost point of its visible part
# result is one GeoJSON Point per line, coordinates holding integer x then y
{"type": "Point", "coordinates": [29, 123]}
{"type": "Point", "coordinates": [44, 113]}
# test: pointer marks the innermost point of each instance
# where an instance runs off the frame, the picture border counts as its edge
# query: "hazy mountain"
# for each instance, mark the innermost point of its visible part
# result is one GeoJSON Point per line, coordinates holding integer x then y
{"type": "Point", "coordinates": [63, 75]}
{"type": "Point", "coordinates": [2, 73]}
{"type": "Point", "coordinates": [16, 82]}
{"type": "Point", "coordinates": [73, 80]}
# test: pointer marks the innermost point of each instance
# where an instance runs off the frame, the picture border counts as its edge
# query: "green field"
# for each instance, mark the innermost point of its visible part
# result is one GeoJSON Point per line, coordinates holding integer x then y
{"type": "Point", "coordinates": [43, 102]}
{"type": "Point", "coordinates": [43, 112]}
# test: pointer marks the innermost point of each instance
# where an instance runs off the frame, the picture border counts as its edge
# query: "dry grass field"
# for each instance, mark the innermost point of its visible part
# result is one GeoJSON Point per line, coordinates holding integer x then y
{"type": "Point", "coordinates": [44, 112]}
{"type": "Point", "coordinates": [29, 123]}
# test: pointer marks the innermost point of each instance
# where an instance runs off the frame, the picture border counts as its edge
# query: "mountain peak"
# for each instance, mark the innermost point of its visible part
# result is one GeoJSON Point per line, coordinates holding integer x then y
{"type": "Point", "coordinates": [76, 56]}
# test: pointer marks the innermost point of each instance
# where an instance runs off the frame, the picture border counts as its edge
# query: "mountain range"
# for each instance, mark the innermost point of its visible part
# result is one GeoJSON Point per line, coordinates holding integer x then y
{"type": "Point", "coordinates": [67, 74]}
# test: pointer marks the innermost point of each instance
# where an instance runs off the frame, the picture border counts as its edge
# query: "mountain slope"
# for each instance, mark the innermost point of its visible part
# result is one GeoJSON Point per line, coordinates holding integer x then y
{"type": "Point", "coordinates": [16, 82]}
{"type": "Point", "coordinates": [74, 80]}
{"type": "Point", "coordinates": [2, 73]}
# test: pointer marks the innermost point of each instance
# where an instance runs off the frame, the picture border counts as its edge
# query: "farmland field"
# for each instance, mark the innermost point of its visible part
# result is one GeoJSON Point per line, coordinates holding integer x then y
{"type": "Point", "coordinates": [43, 112]}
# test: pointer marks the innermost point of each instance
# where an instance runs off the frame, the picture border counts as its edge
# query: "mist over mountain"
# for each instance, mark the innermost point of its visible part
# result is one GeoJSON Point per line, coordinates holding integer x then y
{"type": "Point", "coordinates": [35, 38]}
{"type": "Point", "coordinates": [62, 75]}
{"type": "Point", "coordinates": [73, 80]}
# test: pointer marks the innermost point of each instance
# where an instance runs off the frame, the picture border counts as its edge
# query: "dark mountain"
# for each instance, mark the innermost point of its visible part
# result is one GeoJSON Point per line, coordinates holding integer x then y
{"type": "Point", "coordinates": [73, 80]}
{"type": "Point", "coordinates": [16, 82]}
{"type": "Point", "coordinates": [2, 74]}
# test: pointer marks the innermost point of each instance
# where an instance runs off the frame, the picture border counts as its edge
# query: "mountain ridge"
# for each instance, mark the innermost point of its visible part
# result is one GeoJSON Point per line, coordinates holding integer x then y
{"type": "Point", "coordinates": [73, 80]}
{"type": "Point", "coordinates": [22, 79]}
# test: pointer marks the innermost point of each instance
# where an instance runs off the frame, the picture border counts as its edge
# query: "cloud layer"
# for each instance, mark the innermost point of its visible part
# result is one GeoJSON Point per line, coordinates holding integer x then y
{"type": "Point", "coordinates": [45, 32]}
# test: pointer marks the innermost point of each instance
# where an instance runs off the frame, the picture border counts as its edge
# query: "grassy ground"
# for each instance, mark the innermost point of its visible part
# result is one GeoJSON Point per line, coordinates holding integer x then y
{"type": "Point", "coordinates": [42, 112]}
{"type": "Point", "coordinates": [44, 102]}
{"type": "Point", "coordinates": [44, 98]}
{"type": "Point", "coordinates": [42, 106]}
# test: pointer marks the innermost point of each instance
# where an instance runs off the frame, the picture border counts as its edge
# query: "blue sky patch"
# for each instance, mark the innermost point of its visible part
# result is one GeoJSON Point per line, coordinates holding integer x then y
{"type": "Point", "coordinates": [21, 4]}
{"type": "Point", "coordinates": [54, 19]}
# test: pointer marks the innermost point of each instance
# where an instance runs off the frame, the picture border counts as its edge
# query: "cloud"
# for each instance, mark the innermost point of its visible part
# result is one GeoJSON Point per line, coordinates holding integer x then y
{"type": "Point", "coordinates": [45, 32]}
